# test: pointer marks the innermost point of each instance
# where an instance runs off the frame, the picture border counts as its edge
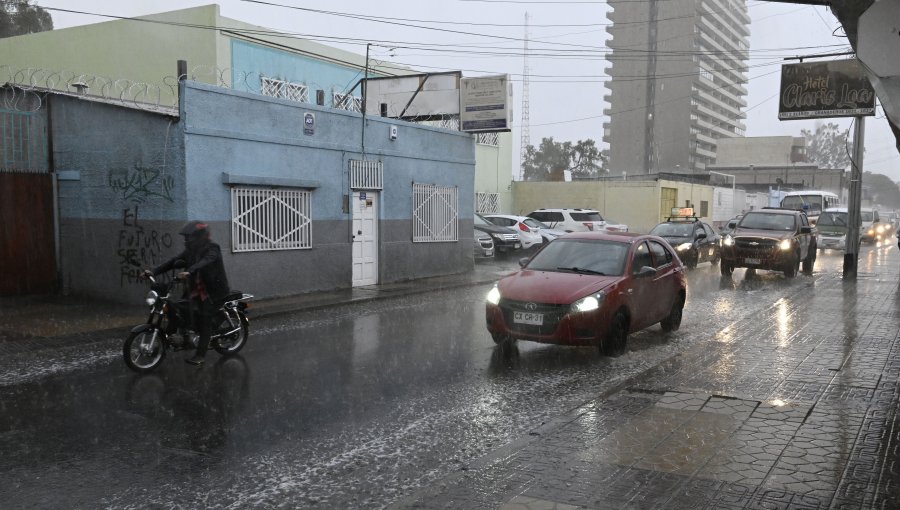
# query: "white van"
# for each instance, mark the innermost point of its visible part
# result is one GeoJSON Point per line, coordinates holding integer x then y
{"type": "Point", "coordinates": [872, 229]}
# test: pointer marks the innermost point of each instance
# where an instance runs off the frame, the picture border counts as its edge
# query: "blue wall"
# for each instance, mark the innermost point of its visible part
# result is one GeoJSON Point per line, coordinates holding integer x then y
{"type": "Point", "coordinates": [129, 179]}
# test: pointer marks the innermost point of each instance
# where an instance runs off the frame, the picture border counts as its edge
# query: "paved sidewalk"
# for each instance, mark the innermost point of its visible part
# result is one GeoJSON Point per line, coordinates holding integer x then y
{"type": "Point", "coordinates": [794, 407]}
{"type": "Point", "coordinates": [38, 322]}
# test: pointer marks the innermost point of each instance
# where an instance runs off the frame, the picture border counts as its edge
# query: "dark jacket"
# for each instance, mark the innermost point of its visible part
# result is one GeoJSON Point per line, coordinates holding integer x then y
{"type": "Point", "coordinates": [205, 265]}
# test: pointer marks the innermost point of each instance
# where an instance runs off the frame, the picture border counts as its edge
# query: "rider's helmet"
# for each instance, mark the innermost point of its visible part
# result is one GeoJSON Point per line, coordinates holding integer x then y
{"type": "Point", "coordinates": [195, 233]}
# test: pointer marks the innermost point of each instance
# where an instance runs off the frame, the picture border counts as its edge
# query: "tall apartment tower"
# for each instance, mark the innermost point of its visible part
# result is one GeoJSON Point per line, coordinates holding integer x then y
{"type": "Point", "coordinates": [677, 82]}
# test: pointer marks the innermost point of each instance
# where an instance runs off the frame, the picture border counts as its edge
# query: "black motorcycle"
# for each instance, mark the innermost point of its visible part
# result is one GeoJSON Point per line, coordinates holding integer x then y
{"type": "Point", "coordinates": [170, 326]}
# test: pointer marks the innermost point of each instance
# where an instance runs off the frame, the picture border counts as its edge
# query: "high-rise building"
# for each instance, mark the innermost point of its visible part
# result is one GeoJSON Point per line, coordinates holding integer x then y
{"type": "Point", "coordinates": [677, 82]}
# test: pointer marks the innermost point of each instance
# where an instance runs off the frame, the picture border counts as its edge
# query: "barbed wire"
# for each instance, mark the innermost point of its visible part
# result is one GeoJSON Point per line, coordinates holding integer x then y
{"type": "Point", "coordinates": [31, 85]}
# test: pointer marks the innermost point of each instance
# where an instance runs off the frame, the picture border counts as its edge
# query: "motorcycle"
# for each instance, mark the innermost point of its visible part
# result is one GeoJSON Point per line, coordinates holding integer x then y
{"type": "Point", "coordinates": [169, 326]}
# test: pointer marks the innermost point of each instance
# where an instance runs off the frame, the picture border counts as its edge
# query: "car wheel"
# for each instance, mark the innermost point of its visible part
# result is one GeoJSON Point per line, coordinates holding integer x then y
{"type": "Point", "coordinates": [673, 321]}
{"type": "Point", "coordinates": [504, 341]}
{"type": "Point", "coordinates": [716, 258]}
{"type": "Point", "coordinates": [614, 343]}
{"type": "Point", "coordinates": [726, 269]}
{"type": "Point", "coordinates": [692, 259]}
{"type": "Point", "coordinates": [791, 270]}
{"type": "Point", "coordinates": [810, 261]}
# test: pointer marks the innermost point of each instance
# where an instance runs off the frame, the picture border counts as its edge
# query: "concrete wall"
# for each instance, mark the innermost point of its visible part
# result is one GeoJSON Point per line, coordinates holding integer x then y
{"type": "Point", "coordinates": [493, 171]}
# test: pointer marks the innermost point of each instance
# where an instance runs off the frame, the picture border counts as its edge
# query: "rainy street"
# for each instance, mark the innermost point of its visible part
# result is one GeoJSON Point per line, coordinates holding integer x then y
{"type": "Point", "coordinates": [356, 406]}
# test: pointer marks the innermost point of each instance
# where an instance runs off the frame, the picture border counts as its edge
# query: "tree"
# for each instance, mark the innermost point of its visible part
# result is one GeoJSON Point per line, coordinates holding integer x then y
{"type": "Point", "coordinates": [828, 147]}
{"type": "Point", "coordinates": [550, 161]}
{"type": "Point", "coordinates": [884, 191]}
{"type": "Point", "coordinates": [19, 17]}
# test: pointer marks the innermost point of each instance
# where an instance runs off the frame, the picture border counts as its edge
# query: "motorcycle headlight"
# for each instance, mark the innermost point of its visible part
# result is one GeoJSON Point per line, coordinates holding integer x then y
{"type": "Point", "coordinates": [493, 297]}
{"type": "Point", "coordinates": [587, 303]}
{"type": "Point", "coordinates": [728, 240]}
{"type": "Point", "coordinates": [785, 245]}
{"type": "Point", "coordinates": [151, 298]}
{"type": "Point", "coordinates": [683, 247]}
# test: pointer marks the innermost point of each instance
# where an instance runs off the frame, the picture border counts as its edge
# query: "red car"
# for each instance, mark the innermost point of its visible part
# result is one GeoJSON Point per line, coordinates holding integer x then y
{"type": "Point", "coordinates": [589, 288]}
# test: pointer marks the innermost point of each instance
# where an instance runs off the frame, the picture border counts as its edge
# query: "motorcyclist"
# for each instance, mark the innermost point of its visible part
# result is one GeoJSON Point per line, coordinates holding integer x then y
{"type": "Point", "coordinates": [202, 266]}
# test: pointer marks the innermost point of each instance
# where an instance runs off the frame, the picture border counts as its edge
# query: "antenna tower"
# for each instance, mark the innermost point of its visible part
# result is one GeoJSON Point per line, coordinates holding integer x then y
{"type": "Point", "coordinates": [525, 140]}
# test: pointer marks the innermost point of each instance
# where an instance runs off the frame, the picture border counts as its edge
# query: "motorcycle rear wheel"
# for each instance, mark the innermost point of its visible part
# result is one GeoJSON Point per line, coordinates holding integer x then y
{"type": "Point", "coordinates": [235, 341]}
{"type": "Point", "coordinates": [143, 351]}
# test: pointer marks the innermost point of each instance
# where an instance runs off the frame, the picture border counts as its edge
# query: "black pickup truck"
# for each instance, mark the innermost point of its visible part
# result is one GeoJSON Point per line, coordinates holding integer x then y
{"type": "Point", "coordinates": [773, 239]}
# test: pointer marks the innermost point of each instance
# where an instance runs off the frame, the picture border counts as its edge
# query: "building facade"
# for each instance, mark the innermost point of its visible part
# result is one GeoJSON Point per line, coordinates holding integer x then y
{"type": "Point", "coordinates": [677, 82]}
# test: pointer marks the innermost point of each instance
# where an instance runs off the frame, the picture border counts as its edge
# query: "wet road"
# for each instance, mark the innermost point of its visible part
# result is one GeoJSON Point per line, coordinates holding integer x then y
{"type": "Point", "coordinates": [352, 407]}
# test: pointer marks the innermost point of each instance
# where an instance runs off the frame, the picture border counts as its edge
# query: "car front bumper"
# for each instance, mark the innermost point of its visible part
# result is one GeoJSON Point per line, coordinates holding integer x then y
{"type": "Point", "coordinates": [558, 324]}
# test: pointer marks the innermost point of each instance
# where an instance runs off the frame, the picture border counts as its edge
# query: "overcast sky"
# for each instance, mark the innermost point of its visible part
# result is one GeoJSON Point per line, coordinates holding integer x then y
{"type": "Point", "coordinates": [565, 92]}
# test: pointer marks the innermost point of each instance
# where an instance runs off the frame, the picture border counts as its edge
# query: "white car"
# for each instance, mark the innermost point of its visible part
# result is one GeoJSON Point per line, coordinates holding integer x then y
{"type": "Point", "coordinates": [576, 220]}
{"type": "Point", "coordinates": [536, 232]}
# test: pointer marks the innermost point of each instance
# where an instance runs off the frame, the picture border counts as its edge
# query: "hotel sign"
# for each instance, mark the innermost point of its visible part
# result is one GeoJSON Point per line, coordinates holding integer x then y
{"type": "Point", "coordinates": [837, 88]}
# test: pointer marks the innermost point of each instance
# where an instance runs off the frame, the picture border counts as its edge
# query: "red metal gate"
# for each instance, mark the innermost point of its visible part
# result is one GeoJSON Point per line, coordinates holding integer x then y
{"type": "Point", "coordinates": [27, 242]}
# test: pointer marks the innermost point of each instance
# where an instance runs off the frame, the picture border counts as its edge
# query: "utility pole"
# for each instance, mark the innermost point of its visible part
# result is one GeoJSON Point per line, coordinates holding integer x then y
{"type": "Point", "coordinates": [525, 139]}
{"type": "Point", "coordinates": [651, 164]}
{"type": "Point", "coordinates": [365, 86]}
{"type": "Point", "coordinates": [851, 250]}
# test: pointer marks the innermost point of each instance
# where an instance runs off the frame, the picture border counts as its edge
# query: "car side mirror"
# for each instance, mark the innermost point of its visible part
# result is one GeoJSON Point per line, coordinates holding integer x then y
{"type": "Point", "coordinates": [645, 272]}
{"type": "Point", "coordinates": [523, 261]}
{"type": "Point", "coordinates": [805, 230]}
{"type": "Point", "coordinates": [701, 235]}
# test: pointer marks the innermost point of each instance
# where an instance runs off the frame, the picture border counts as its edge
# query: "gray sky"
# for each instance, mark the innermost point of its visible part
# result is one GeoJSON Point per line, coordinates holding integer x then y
{"type": "Point", "coordinates": [565, 93]}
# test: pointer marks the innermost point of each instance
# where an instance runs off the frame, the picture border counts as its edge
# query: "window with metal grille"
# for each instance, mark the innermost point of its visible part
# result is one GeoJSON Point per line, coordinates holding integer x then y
{"type": "Point", "coordinates": [284, 89]}
{"type": "Point", "coordinates": [435, 213]}
{"type": "Point", "coordinates": [346, 102]}
{"type": "Point", "coordinates": [265, 219]}
{"type": "Point", "coordinates": [492, 139]}
{"type": "Point", "coordinates": [487, 203]}
{"type": "Point", "coordinates": [366, 174]}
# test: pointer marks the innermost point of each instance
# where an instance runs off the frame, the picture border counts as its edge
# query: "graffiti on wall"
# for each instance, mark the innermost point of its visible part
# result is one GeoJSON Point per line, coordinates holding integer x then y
{"type": "Point", "coordinates": [141, 183]}
{"type": "Point", "coordinates": [139, 248]}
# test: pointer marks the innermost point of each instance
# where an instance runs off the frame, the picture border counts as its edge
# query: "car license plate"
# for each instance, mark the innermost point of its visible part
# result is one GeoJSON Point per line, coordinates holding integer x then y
{"type": "Point", "coordinates": [752, 261]}
{"type": "Point", "coordinates": [535, 319]}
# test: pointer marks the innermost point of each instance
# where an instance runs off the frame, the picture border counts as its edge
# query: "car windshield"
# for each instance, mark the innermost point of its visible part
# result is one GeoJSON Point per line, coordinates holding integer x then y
{"type": "Point", "coordinates": [833, 219]}
{"type": "Point", "coordinates": [606, 257]}
{"type": "Point", "coordinates": [587, 216]}
{"type": "Point", "coordinates": [867, 216]}
{"type": "Point", "coordinates": [673, 230]}
{"type": "Point", "coordinates": [810, 203]}
{"type": "Point", "coordinates": [764, 221]}
{"type": "Point", "coordinates": [479, 220]}
{"type": "Point", "coordinates": [533, 223]}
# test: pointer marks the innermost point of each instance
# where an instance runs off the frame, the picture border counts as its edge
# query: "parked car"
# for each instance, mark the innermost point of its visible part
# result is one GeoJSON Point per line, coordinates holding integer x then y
{"type": "Point", "coordinates": [693, 240]}
{"type": "Point", "coordinates": [527, 228]}
{"type": "Point", "coordinates": [570, 220]}
{"type": "Point", "coordinates": [589, 288]}
{"type": "Point", "coordinates": [832, 226]}
{"type": "Point", "coordinates": [505, 239]}
{"type": "Point", "coordinates": [615, 226]}
{"type": "Point", "coordinates": [771, 238]}
{"type": "Point", "coordinates": [484, 245]}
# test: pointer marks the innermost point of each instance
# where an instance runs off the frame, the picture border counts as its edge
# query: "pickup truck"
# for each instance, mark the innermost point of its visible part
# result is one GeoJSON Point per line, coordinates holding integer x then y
{"type": "Point", "coordinates": [771, 238]}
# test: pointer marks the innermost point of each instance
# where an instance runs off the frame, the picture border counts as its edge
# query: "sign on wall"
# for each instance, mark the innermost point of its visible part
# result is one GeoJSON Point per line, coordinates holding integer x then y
{"type": "Point", "coordinates": [485, 104]}
{"type": "Point", "coordinates": [837, 88]}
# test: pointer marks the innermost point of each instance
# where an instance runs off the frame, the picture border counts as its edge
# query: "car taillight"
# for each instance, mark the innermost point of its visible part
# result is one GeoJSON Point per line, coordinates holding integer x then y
{"type": "Point", "coordinates": [589, 225]}
{"type": "Point", "coordinates": [524, 228]}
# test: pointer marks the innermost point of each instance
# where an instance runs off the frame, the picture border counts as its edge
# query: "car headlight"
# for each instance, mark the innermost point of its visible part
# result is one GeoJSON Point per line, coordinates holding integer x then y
{"type": "Point", "coordinates": [151, 298]}
{"type": "Point", "coordinates": [493, 297]}
{"type": "Point", "coordinates": [785, 245]}
{"type": "Point", "coordinates": [880, 229]}
{"type": "Point", "coordinates": [683, 247]}
{"type": "Point", "coordinates": [587, 303]}
{"type": "Point", "coordinates": [728, 240]}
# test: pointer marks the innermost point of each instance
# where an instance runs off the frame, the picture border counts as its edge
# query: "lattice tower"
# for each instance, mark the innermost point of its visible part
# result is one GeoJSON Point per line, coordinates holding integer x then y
{"type": "Point", "coordinates": [525, 139]}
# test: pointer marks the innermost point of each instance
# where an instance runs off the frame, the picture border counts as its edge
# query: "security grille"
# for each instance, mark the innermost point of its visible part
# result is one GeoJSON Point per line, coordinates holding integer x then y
{"type": "Point", "coordinates": [265, 219]}
{"type": "Point", "coordinates": [487, 203]}
{"type": "Point", "coordinates": [284, 89]}
{"type": "Point", "coordinates": [366, 174]}
{"type": "Point", "coordinates": [492, 139]}
{"type": "Point", "coordinates": [23, 143]}
{"type": "Point", "coordinates": [346, 102]}
{"type": "Point", "coordinates": [435, 213]}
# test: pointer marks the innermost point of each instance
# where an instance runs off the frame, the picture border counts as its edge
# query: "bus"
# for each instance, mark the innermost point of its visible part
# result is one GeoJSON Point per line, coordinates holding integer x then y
{"type": "Point", "coordinates": [810, 202]}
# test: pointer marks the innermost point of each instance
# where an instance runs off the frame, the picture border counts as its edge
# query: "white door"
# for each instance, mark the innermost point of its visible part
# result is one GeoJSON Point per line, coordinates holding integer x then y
{"type": "Point", "coordinates": [365, 238]}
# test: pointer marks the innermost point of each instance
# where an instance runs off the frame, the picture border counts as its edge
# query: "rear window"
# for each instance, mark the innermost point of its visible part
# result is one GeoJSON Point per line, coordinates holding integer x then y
{"type": "Point", "coordinates": [547, 216]}
{"type": "Point", "coordinates": [586, 216]}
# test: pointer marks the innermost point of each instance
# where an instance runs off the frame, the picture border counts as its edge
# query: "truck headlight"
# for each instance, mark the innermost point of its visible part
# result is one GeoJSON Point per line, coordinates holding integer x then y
{"type": "Point", "coordinates": [683, 247]}
{"type": "Point", "coordinates": [785, 245]}
{"type": "Point", "coordinates": [728, 240]}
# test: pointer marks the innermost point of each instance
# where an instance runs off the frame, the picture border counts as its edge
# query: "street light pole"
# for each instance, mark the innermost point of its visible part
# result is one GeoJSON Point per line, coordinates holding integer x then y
{"type": "Point", "coordinates": [851, 250]}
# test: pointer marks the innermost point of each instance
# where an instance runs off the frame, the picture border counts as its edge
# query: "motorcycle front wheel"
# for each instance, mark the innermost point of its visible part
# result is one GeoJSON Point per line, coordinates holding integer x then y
{"type": "Point", "coordinates": [231, 338]}
{"type": "Point", "coordinates": [144, 350]}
